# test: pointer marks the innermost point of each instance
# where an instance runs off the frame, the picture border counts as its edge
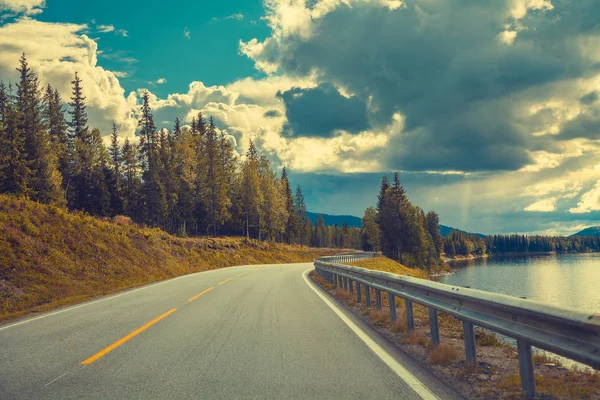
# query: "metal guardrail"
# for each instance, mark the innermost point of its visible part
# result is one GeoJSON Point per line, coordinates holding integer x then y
{"type": "Point", "coordinates": [569, 333]}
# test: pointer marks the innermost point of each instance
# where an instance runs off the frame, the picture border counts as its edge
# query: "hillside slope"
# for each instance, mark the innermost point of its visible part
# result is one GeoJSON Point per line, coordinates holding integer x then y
{"type": "Point", "coordinates": [338, 220]}
{"type": "Point", "coordinates": [591, 231]}
{"type": "Point", "coordinates": [50, 257]}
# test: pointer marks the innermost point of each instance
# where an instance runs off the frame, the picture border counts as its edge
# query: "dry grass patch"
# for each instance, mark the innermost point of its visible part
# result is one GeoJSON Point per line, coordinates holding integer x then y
{"type": "Point", "coordinates": [486, 338]}
{"type": "Point", "coordinates": [443, 354]}
{"type": "Point", "coordinates": [51, 257]}
{"type": "Point", "coordinates": [415, 338]}
{"type": "Point", "coordinates": [388, 265]}
{"type": "Point", "coordinates": [380, 317]}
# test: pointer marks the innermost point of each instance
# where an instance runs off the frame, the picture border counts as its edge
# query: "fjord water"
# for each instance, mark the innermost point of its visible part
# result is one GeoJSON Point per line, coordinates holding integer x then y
{"type": "Point", "coordinates": [564, 280]}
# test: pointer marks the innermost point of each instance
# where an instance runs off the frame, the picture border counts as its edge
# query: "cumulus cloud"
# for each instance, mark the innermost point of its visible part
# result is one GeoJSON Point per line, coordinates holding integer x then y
{"type": "Point", "coordinates": [55, 51]}
{"type": "Point", "coordinates": [590, 201]}
{"type": "Point", "coordinates": [545, 205]}
{"type": "Point", "coordinates": [461, 90]}
{"type": "Point", "coordinates": [27, 7]}
{"type": "Point", "coordinates": [187, 33]}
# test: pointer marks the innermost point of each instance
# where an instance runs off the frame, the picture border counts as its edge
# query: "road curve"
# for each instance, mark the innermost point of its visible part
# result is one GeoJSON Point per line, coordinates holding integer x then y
{"type": "Point", "coordinates": [260, 332]}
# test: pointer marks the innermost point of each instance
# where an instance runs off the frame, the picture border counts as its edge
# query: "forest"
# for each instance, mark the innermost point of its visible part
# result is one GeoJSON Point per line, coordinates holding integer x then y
{"type": "Point", "coordinates": [188, 180]}
{"type": "Point", "coordinates": [401, 230]}
{"type": "Point", "coordinates": [459, 243]}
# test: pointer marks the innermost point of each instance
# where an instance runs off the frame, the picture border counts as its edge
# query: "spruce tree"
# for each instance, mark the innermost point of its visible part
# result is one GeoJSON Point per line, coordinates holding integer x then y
{"type": "Point", "coordinates": [300, 208]}
{"type": "Point", "coordinates": [153, 195]}
{"type": "Point", "coordinates": [78, 127]}
{"type": "Point", "coordinates": [15, 174]}
{"type": "Point", "coordinates": [251, 196]}
{"type": "Point", "coordinates": [46, 180]}
{"type": "Point", "coordinates": [131, 180]}
{"type": "Point", "coordinates": [290, 214]}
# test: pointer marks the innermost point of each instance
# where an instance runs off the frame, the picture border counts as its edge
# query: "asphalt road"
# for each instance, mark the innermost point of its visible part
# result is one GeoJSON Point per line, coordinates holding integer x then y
{"type": "Point", "coordinates": [261, 332]}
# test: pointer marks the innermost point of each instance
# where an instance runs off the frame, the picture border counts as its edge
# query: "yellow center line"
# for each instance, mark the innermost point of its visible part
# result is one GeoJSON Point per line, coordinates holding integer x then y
{"type": "Point", "coordinates": [243, 273]}
{"type": "Point", "coordinates": [124, 339]}
{"type": "Point", "coordinates": [200, 294]}
{"type": "Point", "coordinates": [225, 281]}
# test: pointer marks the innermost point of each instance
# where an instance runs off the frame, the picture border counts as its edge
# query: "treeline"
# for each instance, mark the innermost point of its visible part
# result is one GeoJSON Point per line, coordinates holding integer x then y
{"type": "Point", "coordinates": [459, 243]}
{"type": "Point", "coordinates": [187, 180]}
{"type": "Point", "coordinates": [401, 230]}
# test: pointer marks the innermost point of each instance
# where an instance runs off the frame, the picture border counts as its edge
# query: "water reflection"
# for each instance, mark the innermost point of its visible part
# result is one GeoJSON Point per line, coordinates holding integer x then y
{"type": "Point", "coordinates": [566, 280]}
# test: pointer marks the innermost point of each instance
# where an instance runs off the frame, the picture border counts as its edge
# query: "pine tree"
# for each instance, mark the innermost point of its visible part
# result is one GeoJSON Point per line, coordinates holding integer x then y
{"type": "Point", "coordinates": [54, 117]}
{"type": "Point", "coordinates": [251, 196]}
{"type": "Point", "coordinates": [290, 214]}
{"type": "Point", "coordinates": [78, 127]}
{"type": "Point", "coordinates": [272, 212]}
{"type": "Point", "coordinates": [15, 173]}
{"type": "Point", "coordinates": [153, 195]}
{"type": "Point", "coordinates": [113, 175]}
{"type": "Point", "coordinates": [185, 169]}
{"type": "Point", "coordinates": [300, 208]}
{"type": "Point", "coordinates": [46, 180]}
{"type": "Point", "coordinates": [131, 180]}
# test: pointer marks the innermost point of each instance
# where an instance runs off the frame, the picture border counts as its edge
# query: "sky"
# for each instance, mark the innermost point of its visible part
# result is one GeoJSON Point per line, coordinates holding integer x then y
{"type": "Point", "coordinates": [489, 110]}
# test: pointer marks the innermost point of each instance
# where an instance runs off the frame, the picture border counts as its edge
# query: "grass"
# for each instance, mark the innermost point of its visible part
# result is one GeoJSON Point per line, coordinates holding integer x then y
{"type": "Point", "coordinates": [540, 357]}
{"type": "Point", "coordinates": [51, 257]}
{"type": "Point", "coordinates": [443, 354]}
{"type": "Point", "coordinates": [388, 265]}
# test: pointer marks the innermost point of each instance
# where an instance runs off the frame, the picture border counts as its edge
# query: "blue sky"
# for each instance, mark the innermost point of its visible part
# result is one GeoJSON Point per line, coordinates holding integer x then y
{"type": "Point", "coordinates": [155, 38]}
{"type": "Point", "coordinates": [490, 111]}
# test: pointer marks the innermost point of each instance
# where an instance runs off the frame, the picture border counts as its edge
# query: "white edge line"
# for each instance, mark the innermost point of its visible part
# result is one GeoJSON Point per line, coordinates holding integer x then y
{"type": "Point", "coordinates": [54, 380]}
{"type": "Point", "coordinates": [126, 292]}
{"type": "Point", "coordinates": [391, 362]}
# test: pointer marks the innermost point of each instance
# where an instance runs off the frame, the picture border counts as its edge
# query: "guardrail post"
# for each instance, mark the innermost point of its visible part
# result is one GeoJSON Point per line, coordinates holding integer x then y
{"type": "Point", "coordinates": [410, 317]}
{"type": "Point", "coordinates": [358, 293]}
{"type": "Point", "coordinates": [526, 369]}
{"type": "Point", "coordinates": [334, 280]}
{"type": "Point", "coordinates": [340, 282]}
{"type": "Point", "coordinates": [378, 299]}
{"type": "Point", "coordinates": [368, 295]}
{"type": "Point", "coordinates": [470, 348]}
{"type": "Point", "coordinates": [392, 304]}
{"type": "Point", "coordinates": [434, 326]}
{"type": "Point", "coordinates": [351, 286]}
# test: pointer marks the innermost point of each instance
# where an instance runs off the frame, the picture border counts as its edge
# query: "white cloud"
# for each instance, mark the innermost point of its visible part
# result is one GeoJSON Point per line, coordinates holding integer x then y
{"type": "Point", "coordinates": [105, 28]}
{"type": "Point", "coordinates": [187, 33]}
{"type": "Point", "coordinates": [545, 205]}
{"type": "Point", "coordinates": [236, 16]}
{"type": "Point", "coordinates": [55, 51]}
{"type": "Point", "coordinates": [590, 201]}
{"type": "Point", "coordinates": [111, 28]}
{"type": "Point", "coordinates": [27, 7]}
{"type": "Point", "coordinates": [159, 81]}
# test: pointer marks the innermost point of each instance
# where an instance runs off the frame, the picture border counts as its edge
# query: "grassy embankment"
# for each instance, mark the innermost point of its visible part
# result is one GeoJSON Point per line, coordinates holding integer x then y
{"type": "Point", "coordinates": [50, 257]}
{"type": "Point", "coordinates": [496, 375]}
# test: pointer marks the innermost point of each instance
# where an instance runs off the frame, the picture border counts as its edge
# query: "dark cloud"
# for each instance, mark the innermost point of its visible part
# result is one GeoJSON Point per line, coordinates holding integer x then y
{"type": "Point", "coordinates": [443, 66]}
{"type": "Point", "coordinates": [589, 98]}
{"type": "Point", "coordinates": [272, 114]}
{"type": "Point", "coordinates": [320, 111]}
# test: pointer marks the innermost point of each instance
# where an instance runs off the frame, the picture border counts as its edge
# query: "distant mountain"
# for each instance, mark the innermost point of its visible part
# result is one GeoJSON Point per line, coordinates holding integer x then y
{"type": "Point", "coordinates": [338, 220]}
{"type": "Point", "coordinates": [356, 222]}
{"type": "Point", "coordinates": [445, 231]}
{"type": "Point", "coordinates": [591, 231]}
